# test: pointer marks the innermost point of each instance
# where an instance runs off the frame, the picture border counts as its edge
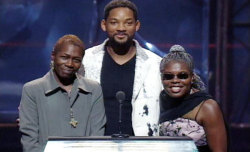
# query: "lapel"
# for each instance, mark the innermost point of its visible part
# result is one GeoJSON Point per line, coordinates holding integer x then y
{"type": "Point", "coordinates": [51, 86]}
{"type": "Point", "coordinates": [140, 70]}
{"type": "Point", "coordinates": [96, 67]}
{"type": "Point", "coordinates": [79, 86]}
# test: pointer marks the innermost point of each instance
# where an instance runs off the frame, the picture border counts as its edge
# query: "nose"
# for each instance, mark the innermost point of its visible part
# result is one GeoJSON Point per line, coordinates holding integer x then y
{"type": "Point", "coordinates": [69, 63]}
{"type": "Point", "coordinates": [175, 79]}
{"type": "Point", "coordinates": [121, 27]}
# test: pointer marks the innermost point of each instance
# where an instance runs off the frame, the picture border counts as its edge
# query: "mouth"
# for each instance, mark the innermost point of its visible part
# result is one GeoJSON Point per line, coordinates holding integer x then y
{"type": "Point", "coordinates": [68, 71]}
{"type": "Point", "coordinates": [175, 89]}
{"type": "Point", "coordinates": [121, 35]}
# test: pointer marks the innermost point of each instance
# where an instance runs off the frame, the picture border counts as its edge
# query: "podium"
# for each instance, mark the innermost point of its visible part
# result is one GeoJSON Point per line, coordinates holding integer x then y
{"type": "Point", "coordinates": [130, 144]}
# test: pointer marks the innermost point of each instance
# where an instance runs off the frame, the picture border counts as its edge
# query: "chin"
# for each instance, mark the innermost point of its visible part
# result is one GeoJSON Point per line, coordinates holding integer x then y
{"type": "Point", "coordinates": [175, 95]}
{"type": "Point", "coordinates": [178, 95]}
{"type": "Point", "coordinates": [124, 41]}
{"type": "Point", "coordinates": [121, 42]}
{"type": "Point", "coordinates": [67, 76]}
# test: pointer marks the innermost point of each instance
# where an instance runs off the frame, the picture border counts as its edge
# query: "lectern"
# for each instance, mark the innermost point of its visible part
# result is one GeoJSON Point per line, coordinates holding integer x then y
{"type": "Point", "coordinates": [130, 144]}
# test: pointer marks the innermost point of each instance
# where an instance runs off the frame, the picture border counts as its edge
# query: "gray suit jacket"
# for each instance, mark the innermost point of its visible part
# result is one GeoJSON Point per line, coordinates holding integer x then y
{"type": "Point", "coordinates": [45, 111]}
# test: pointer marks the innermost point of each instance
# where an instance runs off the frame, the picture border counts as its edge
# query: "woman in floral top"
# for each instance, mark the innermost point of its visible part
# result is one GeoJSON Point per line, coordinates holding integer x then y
{"type": "Point", "coordinates": [186, 109]}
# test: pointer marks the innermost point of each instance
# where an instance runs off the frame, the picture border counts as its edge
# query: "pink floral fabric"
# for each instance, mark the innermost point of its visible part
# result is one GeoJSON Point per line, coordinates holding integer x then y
{"type": "Point", "coordinates": [184, 127]}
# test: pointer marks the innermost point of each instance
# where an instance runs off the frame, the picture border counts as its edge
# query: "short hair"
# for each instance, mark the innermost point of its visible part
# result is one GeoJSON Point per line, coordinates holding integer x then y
{"type": "Point", "coordinates": [120, 3]}
{"type": "Point", "coordinates": [179, 54]}
{"type": "Point", "coordinates": [69, 39]}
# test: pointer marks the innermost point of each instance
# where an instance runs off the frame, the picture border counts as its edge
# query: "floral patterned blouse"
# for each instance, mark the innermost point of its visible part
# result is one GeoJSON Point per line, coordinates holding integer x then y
{"type": "Point", "coordinates": [184, 127]}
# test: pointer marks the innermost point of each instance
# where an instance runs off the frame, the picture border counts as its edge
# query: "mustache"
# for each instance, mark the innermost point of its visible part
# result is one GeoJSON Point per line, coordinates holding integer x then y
{"type": "Point", "coordinates": [121, 33]}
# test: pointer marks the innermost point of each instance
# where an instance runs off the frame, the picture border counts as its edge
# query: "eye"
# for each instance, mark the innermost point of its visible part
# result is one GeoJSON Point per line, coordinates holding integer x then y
{"type": "Point", "coordinates": [77, 60]}
{"type": "Point", "coordinates": [64, 57]}
{"type": "Point", "coordinates": [113, 22]}
{"type": "Point", "coordinates": [129, 23]}
{"type": "Point", "coordinates": [167, 76]}
{"type": "Point", "coordinates": [183, 76]}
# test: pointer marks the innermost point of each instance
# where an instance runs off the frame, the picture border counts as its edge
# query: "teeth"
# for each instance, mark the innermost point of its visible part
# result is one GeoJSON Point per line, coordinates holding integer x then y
{"type": "Point", "coordinates": [175, 89]}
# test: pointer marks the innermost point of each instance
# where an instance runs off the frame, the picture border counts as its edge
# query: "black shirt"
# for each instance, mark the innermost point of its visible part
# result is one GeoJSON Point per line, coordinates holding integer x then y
{"type": "Point", "coordinates": [114, 78]}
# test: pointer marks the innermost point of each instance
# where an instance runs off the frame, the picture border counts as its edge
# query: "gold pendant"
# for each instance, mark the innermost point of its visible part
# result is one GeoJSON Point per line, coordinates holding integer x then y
{"type": "Point", "coordinates": [73, 122]}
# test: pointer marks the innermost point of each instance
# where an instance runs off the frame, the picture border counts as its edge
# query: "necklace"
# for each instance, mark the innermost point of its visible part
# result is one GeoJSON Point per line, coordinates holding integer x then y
{"type": "Point", "coordinates": [72, 122]}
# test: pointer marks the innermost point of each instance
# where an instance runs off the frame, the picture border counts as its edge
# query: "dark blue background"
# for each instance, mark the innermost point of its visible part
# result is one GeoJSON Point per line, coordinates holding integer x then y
{"type": "Point", "coordinates": [29, 30]}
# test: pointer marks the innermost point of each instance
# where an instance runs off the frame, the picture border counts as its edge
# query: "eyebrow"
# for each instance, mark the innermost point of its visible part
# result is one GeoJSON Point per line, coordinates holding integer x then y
{"type": "Point", "coordinates": [177, 72]}
{"type": "Point", "coordinates": [113, 18]}
{"type": "Point", "coordinates": [71, 55]}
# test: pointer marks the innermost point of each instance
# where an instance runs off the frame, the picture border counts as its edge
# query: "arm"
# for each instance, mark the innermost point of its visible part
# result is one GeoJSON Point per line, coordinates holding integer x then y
{"type": "Point", "coordinates": [29, 121]}
{"type": "Point", "coordinates": [97, 115]}
{"type": "Point", "coordinates": [212, 120]}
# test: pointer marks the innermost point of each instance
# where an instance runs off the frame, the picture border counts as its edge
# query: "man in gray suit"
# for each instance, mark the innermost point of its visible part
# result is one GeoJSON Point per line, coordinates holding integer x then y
{"type": "Point", "coordinates": [62, 103]}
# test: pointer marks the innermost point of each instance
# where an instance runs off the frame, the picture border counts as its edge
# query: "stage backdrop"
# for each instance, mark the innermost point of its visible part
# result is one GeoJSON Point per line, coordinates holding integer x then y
{"type": "Point", "coordinates": [30, 28]}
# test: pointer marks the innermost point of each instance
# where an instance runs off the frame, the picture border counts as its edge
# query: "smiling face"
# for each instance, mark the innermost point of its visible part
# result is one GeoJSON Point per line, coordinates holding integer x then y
{"type": "Point", "coordinates": [120, 25]}
{"type": "Point", "coordinates": [176, 79]}
{"type": "Point", "coordinates": [67, 61]}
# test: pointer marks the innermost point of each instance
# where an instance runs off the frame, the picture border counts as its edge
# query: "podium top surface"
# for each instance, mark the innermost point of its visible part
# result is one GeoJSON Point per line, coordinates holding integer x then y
{"type": "Point", "coordinates": [55, 138]}
{"type": "Point", "coordinates": [130, 144]}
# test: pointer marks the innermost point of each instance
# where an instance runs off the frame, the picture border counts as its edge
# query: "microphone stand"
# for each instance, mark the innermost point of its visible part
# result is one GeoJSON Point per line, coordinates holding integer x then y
{"type": "Point", "coordinates": [120, 96]}
{"type": "Point", "coordinates": [120, 118]}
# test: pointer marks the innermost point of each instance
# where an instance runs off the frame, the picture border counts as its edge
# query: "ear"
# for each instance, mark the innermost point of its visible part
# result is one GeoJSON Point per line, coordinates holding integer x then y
{"type": "Point", "coordinates": [192, 77]}
{"type": "Point", "coordinates": [103, 25]}
{"type": "Point", "coordinates": [137, 25]}
{"type": "Point", "coordinates": [53, 54]}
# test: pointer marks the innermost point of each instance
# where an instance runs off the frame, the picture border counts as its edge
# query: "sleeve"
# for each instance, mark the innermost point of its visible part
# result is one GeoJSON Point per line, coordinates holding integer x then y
{"type": "Point", "coordinates": [29, 121]}
{"type": "Point", "coordinates": [97, 115]}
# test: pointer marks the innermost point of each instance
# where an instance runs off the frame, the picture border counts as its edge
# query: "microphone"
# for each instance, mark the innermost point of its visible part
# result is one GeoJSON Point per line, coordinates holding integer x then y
{"type": "Point", "coordinates": [120, 97]}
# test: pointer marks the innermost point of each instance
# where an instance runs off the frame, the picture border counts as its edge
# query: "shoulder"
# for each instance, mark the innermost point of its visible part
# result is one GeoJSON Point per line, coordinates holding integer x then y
{"type": "Point", "coordinates": [152, 56]}
{"type": "Point", "coordinates": [33, 88]}
{"type": "Point", "coordinates": [145, 52]}
{"type": "Point", "coordinates": [209, 106]}
{"type": "Point", "coordinates": [209, 111]}
{"type": "Point", "coordinates": [92, 54]}
{"type": "Point", "coordinates": [90, 82]}
{"type": "Point", "coordinates": [91, 49]}
{"type": "Point", "coordinates": [90, 85]}
{"type": "Point", "coordinates": [151, 60]}
{"type": "Point", "coordinates": [34, 83]}
{"type": "Point", "coordinates": [95, 49]}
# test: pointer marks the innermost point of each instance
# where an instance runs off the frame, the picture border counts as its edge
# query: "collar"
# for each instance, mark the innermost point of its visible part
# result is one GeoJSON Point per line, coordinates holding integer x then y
{"type": "Point", "coordinates": [82, 85]}
{"type": "Point", "coordinates": [51, 85]}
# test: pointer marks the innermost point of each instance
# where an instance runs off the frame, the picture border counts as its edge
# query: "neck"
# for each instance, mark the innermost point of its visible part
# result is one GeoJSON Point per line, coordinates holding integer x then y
{"type": "Point", "coordinates": [66, 84]}
{"type": "Point", "coordinates": [121, 53]}
{"type": "Point", "coordinates": [120, 49]}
